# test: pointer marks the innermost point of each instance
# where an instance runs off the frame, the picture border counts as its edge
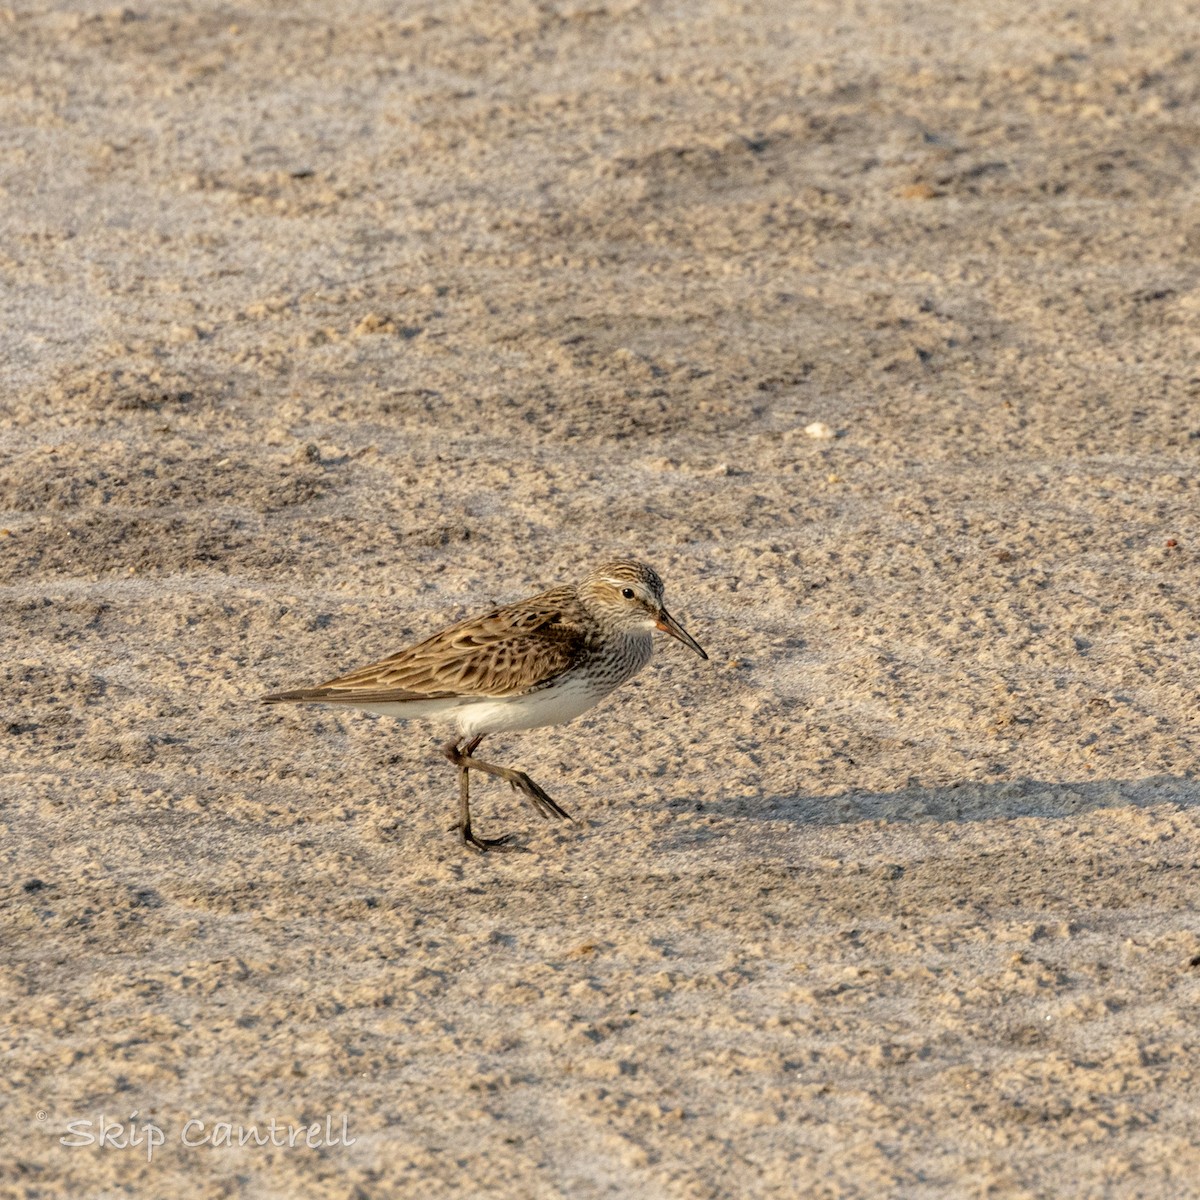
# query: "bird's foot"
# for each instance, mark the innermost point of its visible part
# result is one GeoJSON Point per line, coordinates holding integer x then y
{"type": "Point", "coordinates": [480, 845]}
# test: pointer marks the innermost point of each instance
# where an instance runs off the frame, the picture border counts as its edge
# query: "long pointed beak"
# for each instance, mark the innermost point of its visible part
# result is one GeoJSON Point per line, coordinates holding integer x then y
{"type": "Point", "coordinates": [668, 624]}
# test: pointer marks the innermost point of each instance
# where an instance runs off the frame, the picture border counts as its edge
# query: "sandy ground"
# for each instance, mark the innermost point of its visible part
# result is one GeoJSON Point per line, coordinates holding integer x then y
{"type": "Point", "coordinates": [317, 332]}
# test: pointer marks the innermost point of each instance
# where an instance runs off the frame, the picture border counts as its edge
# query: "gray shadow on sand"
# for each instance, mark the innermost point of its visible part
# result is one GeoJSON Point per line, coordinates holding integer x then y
{"type": "Point", "coordinates": [961, 802]}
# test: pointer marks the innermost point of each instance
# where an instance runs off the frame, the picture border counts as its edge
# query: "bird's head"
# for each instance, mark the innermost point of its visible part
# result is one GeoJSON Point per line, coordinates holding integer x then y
{"type": "Point", "coordinates": [629, 594]}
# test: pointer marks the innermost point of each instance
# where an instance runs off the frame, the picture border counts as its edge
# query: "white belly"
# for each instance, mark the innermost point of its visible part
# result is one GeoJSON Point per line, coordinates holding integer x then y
{"type": "Point", "coordinates": [500, 714]}
{"type": "Point", "coordinates": [550, 706]}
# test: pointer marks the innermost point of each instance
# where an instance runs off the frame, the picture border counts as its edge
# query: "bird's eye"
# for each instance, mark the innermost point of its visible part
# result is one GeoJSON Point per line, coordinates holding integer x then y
{"type": "Point", "coordinates": [627, 593]}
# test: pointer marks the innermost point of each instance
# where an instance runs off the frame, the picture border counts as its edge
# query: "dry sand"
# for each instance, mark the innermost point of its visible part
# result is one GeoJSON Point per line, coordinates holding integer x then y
{"type": "Point", "coordinates": [320, 330]}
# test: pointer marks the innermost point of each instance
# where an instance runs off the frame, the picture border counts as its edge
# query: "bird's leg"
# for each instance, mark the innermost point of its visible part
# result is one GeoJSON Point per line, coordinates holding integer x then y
{"type": "Point", "coordinates": [458, 755]}
{"type": "Point", "coordinates": [517, 779]}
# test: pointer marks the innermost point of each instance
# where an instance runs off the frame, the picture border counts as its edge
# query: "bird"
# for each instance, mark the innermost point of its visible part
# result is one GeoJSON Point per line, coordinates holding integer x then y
{"type": "Point", "coordinates": [540, 661]}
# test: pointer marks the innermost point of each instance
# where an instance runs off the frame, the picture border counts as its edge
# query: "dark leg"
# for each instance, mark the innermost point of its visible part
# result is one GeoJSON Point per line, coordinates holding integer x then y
{"type": "Point", "coordinates": [460, 756]}
{"type": "Point", "coordinates": [518, 780]}
{"type": "Point", "coordinates": [457, 756]}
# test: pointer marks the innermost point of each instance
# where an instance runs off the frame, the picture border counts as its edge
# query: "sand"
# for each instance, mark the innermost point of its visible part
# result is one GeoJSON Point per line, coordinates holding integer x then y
{"type": "Point", "coordinates": [874, 328]}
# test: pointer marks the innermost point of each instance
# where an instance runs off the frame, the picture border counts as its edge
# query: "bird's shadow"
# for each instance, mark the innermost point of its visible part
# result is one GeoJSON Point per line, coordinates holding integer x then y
{"type": "Point", "coordinates": [953, 803]}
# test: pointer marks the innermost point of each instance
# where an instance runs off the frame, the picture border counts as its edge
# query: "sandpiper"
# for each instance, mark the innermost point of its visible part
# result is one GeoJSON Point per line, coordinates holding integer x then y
{"type": "Point", "coordinates": [540, 661]}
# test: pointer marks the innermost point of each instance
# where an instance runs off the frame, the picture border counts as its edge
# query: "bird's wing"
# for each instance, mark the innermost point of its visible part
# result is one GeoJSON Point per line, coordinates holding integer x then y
{"type": "Point", "coordinates": [505, 652]}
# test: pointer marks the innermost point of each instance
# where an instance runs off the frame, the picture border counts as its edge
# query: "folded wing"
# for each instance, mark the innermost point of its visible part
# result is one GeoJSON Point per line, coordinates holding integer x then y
{"type": "Point", "coordinates": [506, 652]}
